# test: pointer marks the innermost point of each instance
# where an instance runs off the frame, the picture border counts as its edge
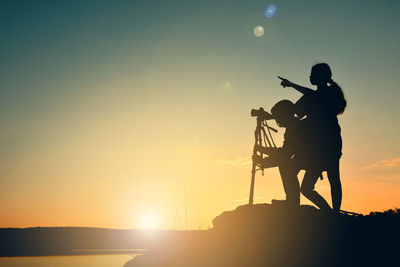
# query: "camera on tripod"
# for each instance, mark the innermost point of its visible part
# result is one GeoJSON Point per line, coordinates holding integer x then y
{"type": "Point", "coordinates": [261, 114]}
{"type": "Point", "coordinates": [263, 143]}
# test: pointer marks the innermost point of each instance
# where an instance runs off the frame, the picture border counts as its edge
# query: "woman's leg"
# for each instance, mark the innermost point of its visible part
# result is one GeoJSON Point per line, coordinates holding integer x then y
{"type": "Point", "coordinates": [336, 186]}
{"type": "Point", "coordinates": [307, 189]}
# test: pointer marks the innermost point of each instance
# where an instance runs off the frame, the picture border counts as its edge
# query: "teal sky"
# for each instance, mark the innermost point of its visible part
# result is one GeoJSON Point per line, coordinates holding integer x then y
{"type": "Point", "coordinates": [79, 79]}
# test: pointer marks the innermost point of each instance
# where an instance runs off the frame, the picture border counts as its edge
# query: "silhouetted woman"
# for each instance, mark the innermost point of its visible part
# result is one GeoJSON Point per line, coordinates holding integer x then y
{"type": "Point", "coordinates": [320, 108]}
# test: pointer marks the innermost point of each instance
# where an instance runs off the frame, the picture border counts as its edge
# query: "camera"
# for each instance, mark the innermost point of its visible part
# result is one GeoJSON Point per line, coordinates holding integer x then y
{"type": "Point", "coordinates": [261, 114]}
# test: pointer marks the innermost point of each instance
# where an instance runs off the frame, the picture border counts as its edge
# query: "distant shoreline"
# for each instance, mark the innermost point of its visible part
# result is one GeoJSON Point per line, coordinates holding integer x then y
{"type": "Point", "coordinates": [65, 241]}
{"type": "Point", "coordinates": [73, 254]}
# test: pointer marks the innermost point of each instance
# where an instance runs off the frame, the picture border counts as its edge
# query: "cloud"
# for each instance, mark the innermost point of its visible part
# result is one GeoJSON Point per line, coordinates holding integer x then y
{"type": "Point", "coordinates": [234, 162]}
{"type": "Point", "coordinates": [384, 164]}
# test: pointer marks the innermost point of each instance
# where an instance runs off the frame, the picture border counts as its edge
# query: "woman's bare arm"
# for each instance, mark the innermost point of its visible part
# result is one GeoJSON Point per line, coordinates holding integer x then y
{"type": "Point", "coordinates": [301, 89]}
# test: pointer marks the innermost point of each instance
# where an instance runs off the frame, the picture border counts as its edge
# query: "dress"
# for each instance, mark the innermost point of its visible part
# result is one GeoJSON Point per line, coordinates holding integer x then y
{"type": "Point", "coordinates": [320, 109]}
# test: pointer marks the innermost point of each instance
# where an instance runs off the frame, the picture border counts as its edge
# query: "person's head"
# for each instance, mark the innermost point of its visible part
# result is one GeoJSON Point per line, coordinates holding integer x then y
{"type": "Point", "coordinates": [283, 112]}
{"type": "Point", "coordinates": [321, 74]}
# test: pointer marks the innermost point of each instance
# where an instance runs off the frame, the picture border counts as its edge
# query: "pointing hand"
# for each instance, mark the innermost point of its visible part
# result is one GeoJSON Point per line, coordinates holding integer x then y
{"type": "Point", "coordinates": [285, 82]}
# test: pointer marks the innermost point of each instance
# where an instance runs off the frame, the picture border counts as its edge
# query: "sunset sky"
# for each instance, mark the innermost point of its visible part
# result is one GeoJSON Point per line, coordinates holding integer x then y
{"type": "Point", "coordinates": [114, 112]}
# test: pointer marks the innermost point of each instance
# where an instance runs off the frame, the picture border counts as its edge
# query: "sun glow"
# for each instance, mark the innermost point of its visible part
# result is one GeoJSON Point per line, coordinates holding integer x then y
{"type": "Point", "coordinates": [149, 221]}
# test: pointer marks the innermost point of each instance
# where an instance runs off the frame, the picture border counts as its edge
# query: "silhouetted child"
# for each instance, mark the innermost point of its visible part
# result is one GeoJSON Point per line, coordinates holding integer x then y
{"type": "Point", "coordinates": [291, 157]}
{"type": "Point", "coordinates": [321, 107]}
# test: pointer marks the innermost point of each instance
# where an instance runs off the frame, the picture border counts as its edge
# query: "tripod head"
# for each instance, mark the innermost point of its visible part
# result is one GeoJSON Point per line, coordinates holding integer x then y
{"type": "Point", "coordinates": [262, 118]}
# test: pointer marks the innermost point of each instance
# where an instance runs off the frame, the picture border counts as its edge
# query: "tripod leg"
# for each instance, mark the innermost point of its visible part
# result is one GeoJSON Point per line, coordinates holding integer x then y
{"type": "Point", "coordinates": [258, 141]}
{"type": "Point", "coordinates": [253, 177]}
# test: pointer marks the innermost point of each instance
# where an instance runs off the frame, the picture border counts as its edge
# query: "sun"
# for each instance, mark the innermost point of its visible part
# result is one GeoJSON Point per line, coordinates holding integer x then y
{"type": "Point", "coordinates": [149, 221]}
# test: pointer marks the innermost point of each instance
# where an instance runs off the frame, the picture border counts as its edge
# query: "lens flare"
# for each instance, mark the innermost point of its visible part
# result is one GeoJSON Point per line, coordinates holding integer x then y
{"type": "Point", "coordinates": [258, 31]}
{"type": "Point", "coordinates": [270, 11]}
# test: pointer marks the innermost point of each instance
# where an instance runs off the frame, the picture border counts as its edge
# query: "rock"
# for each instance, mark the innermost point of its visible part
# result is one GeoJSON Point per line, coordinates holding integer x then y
{"type": "Point", "coordinates": [276, 235]}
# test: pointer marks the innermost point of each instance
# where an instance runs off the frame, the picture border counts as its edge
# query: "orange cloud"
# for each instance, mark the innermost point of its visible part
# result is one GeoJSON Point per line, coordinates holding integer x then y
{"type": "Point", "coordinates": [384, 164]}
{"type": "Point", "coordinates": [234, 162]}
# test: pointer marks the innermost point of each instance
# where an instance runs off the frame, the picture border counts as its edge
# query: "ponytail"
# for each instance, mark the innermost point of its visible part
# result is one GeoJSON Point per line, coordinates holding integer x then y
{"type": "Point", "coordinates": [340, 103]}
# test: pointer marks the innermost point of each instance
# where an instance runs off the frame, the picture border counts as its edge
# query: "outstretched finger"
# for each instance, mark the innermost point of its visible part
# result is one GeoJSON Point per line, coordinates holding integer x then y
{"type": "Point", "coordinates": [281, 78]}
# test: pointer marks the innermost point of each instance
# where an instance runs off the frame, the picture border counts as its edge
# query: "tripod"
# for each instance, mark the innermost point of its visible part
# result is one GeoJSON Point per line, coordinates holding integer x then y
{"type": "Point", "coordinates": [262, 141]}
